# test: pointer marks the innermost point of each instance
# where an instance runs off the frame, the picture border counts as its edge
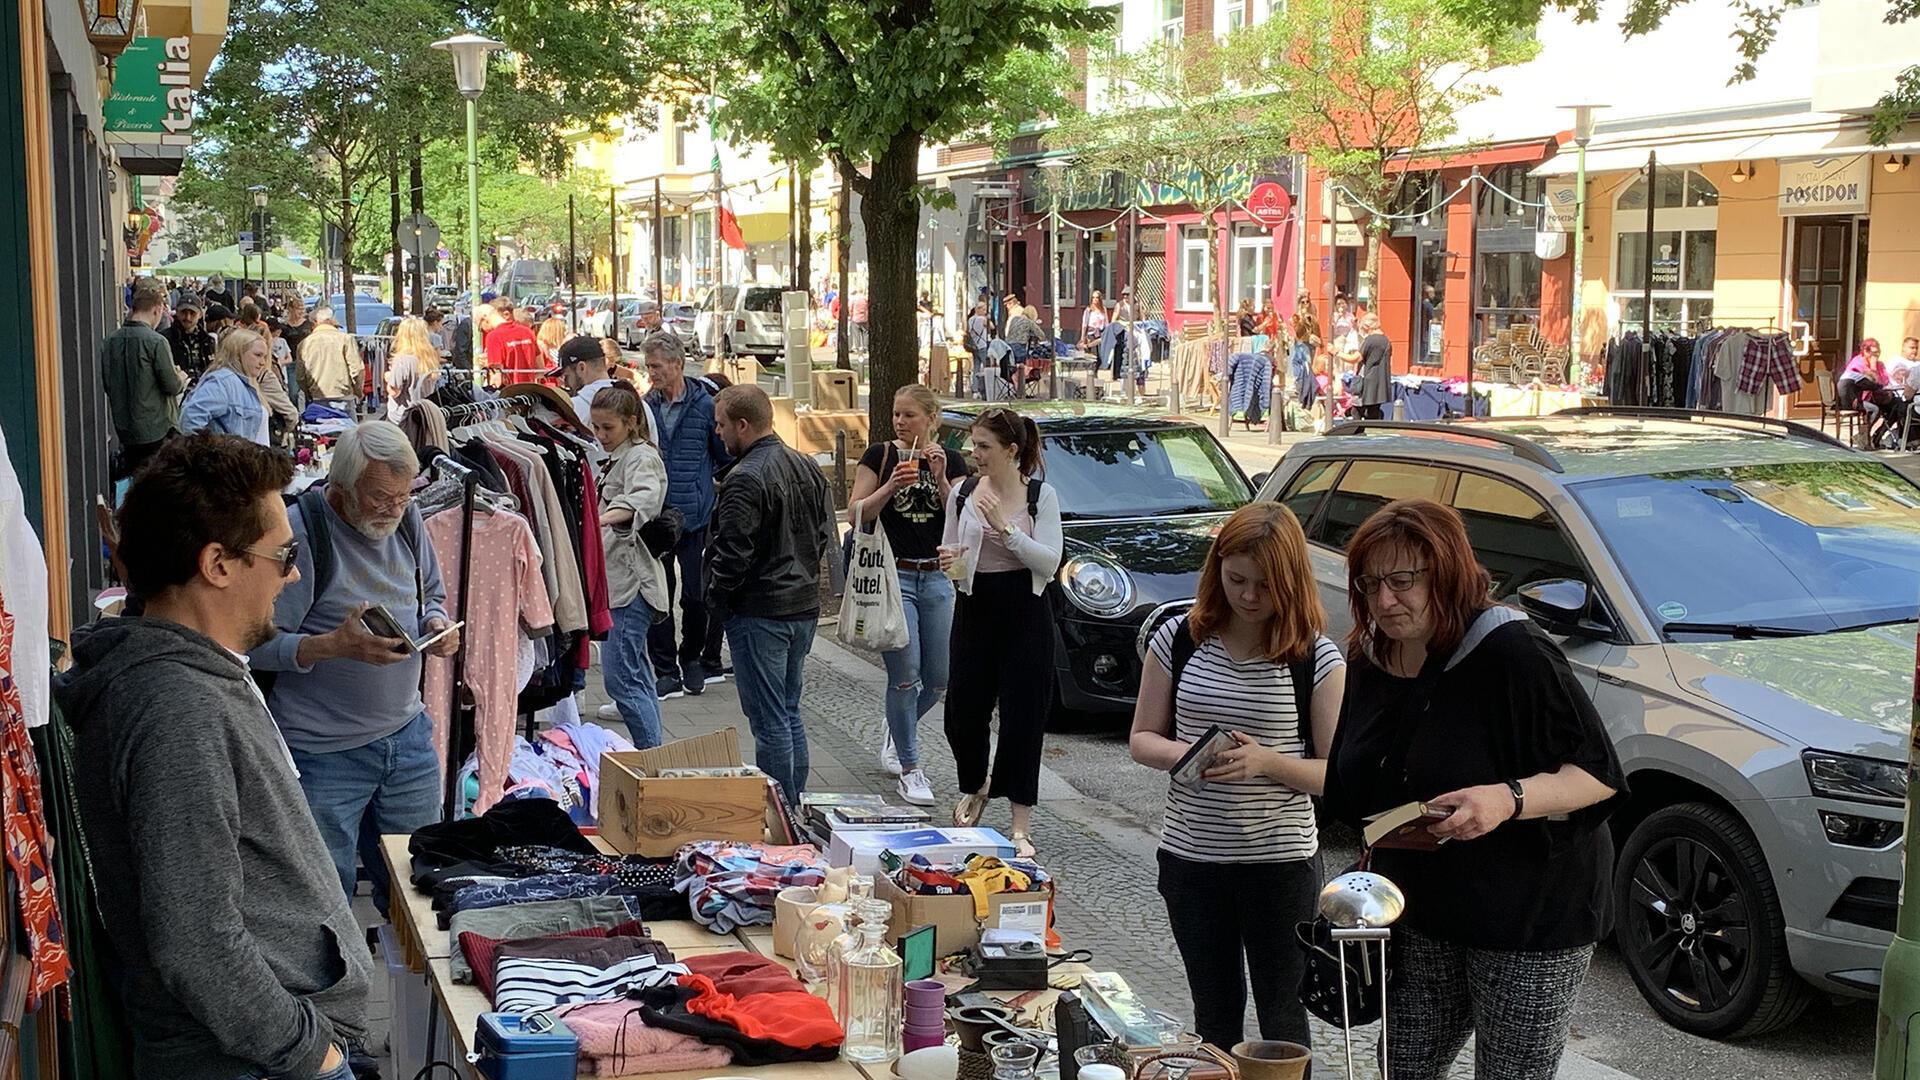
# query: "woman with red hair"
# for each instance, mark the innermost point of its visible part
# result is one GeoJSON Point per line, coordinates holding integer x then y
{"type": "Point", "coordinates": [1467, 706]}
{"type": "Point", "coordinates": [1239, 850]}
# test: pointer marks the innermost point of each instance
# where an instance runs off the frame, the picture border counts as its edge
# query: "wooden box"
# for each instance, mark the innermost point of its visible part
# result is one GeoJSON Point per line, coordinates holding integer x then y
{"type": "Point", "coordinates": [834, 389]}
{"type": "Point", "coordinates": [644, 813]}
{"type": "Point", "coordinates": [814, 431]}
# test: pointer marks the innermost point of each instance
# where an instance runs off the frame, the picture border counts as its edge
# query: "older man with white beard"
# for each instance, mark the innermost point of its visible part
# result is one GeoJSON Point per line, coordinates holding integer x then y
{"type": "Point", "coordinates": [348, 700]}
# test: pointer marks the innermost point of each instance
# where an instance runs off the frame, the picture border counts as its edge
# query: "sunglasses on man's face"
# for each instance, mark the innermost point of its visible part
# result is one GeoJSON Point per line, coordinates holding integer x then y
{"type": "Point", "coordinates": [285, 556]}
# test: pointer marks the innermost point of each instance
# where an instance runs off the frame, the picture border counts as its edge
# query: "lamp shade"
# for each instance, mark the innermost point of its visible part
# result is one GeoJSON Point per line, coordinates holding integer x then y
{"type": "Point", "coordinates": [1583, 122]}
{"type": "Point", "coordinates": [470, 52]}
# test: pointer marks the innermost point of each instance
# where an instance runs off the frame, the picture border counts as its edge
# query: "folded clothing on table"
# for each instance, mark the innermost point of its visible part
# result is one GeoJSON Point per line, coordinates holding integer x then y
{"type": "Point", "coordinates": [527, 984]}
{"type": "Point", "coordinates": [616, 1041]}
{"type": "Point", "coordinates": [748, 1004]}
{"type": "Point", "coordinates": [477, 952]}
{"type": "Point", "coordinates": [729, 885]}
{"type": "Point", "coordinates": [538, 822]}
{"type": "Point", "coordinates": [655, 904]}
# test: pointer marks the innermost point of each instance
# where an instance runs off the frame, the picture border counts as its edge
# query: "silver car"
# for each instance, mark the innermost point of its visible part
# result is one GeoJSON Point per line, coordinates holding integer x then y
{"type": "Point", "coordinates": [1739, 597]}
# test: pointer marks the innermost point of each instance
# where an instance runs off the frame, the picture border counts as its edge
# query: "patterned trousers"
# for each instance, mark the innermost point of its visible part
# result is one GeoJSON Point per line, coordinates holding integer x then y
{"type": "Point", "coordinates": [1517, 1006]}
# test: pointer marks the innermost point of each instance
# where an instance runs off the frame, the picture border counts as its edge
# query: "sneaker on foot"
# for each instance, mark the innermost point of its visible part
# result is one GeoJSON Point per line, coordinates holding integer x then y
{"type": "Point", "coordinates": [889, 757]}
{"type": "Point", "coordinates": [716, 672]}
{"type": "Point", "coordinates": [669, 687]}
{"type": "Point", "coordinates": [695, 683]}
{"type": "Point", "coordinates": [609, 711]}
{"type": "Point", "coordinates": [915, 788]}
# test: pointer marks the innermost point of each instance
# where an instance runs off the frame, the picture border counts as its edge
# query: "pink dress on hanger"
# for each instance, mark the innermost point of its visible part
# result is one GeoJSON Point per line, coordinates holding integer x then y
{"type": "Point", "coordinates": [509, 599]}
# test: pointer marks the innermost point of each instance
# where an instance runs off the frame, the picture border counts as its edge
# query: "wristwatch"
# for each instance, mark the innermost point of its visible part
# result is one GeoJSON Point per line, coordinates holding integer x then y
{"type": "Point", "coordinates": [1519, 799]}
{"type": "Point", "coordinates": [1007, 530]}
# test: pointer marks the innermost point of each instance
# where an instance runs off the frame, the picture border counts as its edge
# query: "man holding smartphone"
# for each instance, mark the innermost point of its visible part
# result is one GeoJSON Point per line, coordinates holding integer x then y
{"type": "Point", "coordinates": [346, 699]}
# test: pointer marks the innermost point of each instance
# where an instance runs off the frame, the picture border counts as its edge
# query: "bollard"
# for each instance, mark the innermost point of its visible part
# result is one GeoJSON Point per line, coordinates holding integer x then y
{"type": "Point", "coordinates": [1400, 410]}
{"type": "Point", "coordinates": [1276, 414]}
{"type": "Point", "coordinates": [1225, 390]}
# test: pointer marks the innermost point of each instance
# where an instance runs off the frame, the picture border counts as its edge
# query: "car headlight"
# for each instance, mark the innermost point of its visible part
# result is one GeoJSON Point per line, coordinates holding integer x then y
{"type": "Point", "coordinates": [1840, 776]}
{"type": "Point", "coordinates": [1097, 586]}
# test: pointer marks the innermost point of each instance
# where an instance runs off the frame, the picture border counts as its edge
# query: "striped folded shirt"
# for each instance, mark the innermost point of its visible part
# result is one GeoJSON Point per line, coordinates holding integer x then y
{"type": "Point", "coordinates": [529, 984]}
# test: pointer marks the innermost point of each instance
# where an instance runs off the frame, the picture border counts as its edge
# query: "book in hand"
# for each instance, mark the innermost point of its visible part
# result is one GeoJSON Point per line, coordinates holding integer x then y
{"type": "Point", "coordinates": [1192, 767]}
{"type": "Point", "coordinates": [381, 623]}
{"type": "Point", "coordinates": [1406, 827]}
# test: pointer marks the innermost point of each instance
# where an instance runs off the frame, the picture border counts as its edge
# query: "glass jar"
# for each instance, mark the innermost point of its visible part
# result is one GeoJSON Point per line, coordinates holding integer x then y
{"type": "Point", "coordinates": [870, 990]}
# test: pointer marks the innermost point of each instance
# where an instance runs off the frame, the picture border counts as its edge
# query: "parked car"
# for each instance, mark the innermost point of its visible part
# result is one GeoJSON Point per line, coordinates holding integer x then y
{"type": "Point", "coordinates": [746, 321]}
{"type": "Point", "coordinates": [525, 279]}
{"type": "Point", "coordinates": [368, 312]}
{"type": "Point", "coordinates": [1738, 596]}
{"type": "Point", "coordinates": [676, 317]}
{"type": "Point", "coordinates": [1141, 497]}
{"type": "Point", "coordinates": [595, 314]}
{"type": "Point", "coordinates": [444, 297]}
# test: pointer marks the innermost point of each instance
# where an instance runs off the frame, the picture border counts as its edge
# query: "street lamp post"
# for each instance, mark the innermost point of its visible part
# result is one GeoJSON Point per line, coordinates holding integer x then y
{"type": "Point", "coordinates": [1056, 168]}
{"type": "Point", "coordinates": [470, 52]}
{"type": "Point", "coordinates": [1582, 135]}
{"type": "Point", "coordinates": [260, 234]}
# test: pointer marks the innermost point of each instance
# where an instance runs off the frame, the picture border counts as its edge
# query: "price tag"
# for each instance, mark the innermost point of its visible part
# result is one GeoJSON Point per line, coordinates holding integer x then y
{"type": "Point", "coordinates": [1028, 915]}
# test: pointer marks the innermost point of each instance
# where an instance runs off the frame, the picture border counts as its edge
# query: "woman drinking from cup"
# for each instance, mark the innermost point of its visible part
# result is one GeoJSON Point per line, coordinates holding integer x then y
{"type": "Point", "coordinates": [1002, 545]}
{"type": "Point", "coordinates": [1239, 851]}
{"type": "Point", "coordinates": [905, 484]}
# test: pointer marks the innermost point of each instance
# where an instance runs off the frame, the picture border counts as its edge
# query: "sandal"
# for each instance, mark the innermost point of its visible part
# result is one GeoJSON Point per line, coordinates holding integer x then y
{"type": "Point", "coordinates": [1022, 845]}
{"type": "Point", "coordinates": [969, 810]}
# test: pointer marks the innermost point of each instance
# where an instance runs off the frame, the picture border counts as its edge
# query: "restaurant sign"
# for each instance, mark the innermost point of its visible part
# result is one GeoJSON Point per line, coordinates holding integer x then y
{"type": "Point", "coordinates": [1835, 185]}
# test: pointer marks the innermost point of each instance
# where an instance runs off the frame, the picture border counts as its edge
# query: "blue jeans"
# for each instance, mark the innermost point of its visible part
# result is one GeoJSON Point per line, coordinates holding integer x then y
{"type": "Point", "coordinates": [343, 1072]}
{"type": "Point", "coordinates": [628, 673]}
{"type": "Point", "coordinates": [769, 666]}
{"type": "Point", "coordinates": [917, 674]}
{"type": "Point", "coordinates": [390, 785]}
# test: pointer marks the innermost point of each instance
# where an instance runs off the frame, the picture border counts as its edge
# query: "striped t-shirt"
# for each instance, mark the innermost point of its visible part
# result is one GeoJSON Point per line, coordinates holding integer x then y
{"type": "Point", "coordinates": [1252, 820]}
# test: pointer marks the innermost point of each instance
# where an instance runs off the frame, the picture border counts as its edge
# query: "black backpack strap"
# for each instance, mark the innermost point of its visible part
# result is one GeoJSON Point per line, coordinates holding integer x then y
{"type": "Point", "coordinates": [966, 489]}
{"type": "Point", "coordinates": [1302, 672]}
{"type": "Point", "coordinates": [1183, 649]}
{"type": "Point", "coordinates": [1033, 500]}
{"type": "Point", "coordinates": [313, 515]}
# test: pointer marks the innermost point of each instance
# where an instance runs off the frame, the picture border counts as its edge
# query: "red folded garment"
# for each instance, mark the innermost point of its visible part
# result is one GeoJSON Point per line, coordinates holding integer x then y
{"type": "Point", "coordinates": [791, 1018]}
{"type": "Point", "coordinates": [743, 973]}
{"type": "Point", "coordinates": [481, 951]}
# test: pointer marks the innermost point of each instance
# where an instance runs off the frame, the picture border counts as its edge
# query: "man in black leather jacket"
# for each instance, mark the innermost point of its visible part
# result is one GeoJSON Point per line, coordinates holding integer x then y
{"type": "Point", "coordinates": [771, 528]}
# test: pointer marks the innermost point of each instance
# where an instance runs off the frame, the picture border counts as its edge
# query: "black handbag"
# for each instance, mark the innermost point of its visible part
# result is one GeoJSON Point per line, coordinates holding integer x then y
{"type": "Point", "coordinates": [661, 535]}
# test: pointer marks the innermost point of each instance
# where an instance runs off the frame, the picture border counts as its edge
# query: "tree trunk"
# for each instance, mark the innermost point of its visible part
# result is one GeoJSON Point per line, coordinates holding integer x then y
{"type": "Point", "coordinates": [346, 246]}
{"type": "Point", "coordinates": [890, 210]}
{"type": "Point", "coordinates": [393, 242]}
{"type": "Point", "coordinates": [416, 203]}
{"type": "Point", "coordinates": [806, 227]}
{"type": "Point", "coordinates": [843, 248]}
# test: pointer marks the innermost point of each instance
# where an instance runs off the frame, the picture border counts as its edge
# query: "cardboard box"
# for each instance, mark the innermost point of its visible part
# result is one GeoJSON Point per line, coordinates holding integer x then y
{"type": "Point", "coordinates": [740, 370]}
{"type": "Point", "coordinates": [861, 849]}
{"type": "Point", "coordinates": [834, 389]}
{"type": "Point", "coordinates": [954, 920]}
{"type": "Point", "coordinates": [815, 430]}
{"type": "Point", "coordinates": [643, 813]}
{"type": "Point", "coordinates": [785, 423]}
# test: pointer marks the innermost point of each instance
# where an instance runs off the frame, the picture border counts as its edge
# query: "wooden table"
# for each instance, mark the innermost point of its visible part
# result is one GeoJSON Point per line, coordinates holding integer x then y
{"type": "Point", "coordinates": [426, 949]}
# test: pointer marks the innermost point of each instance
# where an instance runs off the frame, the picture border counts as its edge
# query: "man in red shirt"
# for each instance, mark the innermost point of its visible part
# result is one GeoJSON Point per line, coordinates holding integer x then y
{"type": "Point", "coordinates": [513, 352]}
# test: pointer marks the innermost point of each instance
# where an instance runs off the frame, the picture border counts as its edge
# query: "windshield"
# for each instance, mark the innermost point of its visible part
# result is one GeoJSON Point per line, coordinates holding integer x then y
{"type": "Point", "coordinates": [1810, 546]}
{"type": "Point", "coordinates": [1141, 474]}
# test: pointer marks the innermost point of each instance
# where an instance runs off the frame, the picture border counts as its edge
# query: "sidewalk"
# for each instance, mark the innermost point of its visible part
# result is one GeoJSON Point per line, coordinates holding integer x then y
{"type": "Point", "coordinates": [1105, 864]}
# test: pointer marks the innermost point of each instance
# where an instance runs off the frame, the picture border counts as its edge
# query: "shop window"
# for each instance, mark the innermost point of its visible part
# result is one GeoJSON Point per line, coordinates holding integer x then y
{"type": "Point", "coordinates": [1252, 265]}
{"type": "Point", "coordinates": [1495, 211]}
{"type": "Point", "coordinates": [1100, 250]}
{"type": "Point", "coordinates": [1685, 245]}
{"type": "Point", "coordinates": [1196, 269]}
{"type": "Point", "coordinates": [1508, 291]}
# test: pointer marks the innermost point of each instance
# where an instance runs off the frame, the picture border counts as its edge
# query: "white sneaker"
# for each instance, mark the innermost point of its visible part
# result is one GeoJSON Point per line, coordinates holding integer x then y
{"type": "Point", "coordinates": [915, 788]}
{"type": "Point", "coordinates": [889, 757]}
{"type": "Point", "coordinates": [609, 711]}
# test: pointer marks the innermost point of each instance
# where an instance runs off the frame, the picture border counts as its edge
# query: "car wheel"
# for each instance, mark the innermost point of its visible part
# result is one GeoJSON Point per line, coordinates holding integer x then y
{"type": "Point", "coordinates": [1698, 922]}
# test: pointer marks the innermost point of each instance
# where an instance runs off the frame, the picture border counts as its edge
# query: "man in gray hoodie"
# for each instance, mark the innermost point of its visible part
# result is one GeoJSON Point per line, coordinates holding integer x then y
{"type": "Point", "coordinates": [236, 952]}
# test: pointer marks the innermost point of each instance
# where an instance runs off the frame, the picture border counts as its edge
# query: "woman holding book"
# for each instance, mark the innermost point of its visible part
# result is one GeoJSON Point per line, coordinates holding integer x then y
{"type": "Point", "coordinates": [1233, 700]}
{"type": "Point", "coordinates": [1471, 709]}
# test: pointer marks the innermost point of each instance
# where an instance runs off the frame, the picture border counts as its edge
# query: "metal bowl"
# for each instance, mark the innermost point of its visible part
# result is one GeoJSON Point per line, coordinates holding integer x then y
{"type": "Point", "coordinates": [1362, 900]}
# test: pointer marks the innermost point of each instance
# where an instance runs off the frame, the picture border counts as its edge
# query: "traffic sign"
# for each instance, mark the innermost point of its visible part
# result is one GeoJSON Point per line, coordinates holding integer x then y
{"type": "Point", "coordinates": [247, 246]}
{"type": "Point", "coordinates": [417, 235]}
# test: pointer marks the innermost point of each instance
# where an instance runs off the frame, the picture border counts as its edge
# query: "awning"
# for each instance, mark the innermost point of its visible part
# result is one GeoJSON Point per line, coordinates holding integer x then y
{"type": "Point", "coordinates": [764, 227]}
{"type": "Point", "coordinates": [1803, 137]}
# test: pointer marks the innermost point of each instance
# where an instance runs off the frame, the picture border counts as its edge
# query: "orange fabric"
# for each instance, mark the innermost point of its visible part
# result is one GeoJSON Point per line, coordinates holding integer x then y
{"type": "Point", "coordinates": [791, 1018]}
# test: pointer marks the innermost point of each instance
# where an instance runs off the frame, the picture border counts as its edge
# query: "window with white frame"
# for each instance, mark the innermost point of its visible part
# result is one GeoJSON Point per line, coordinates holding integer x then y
{"type": "Point", "coordinates": [1173, 21]}
{"type": "Point", "coordinates": [1686, 217]}
{"type": "Point", "coordinates": [1252, 265]}
{"type": "Point", "coordinates": [1196, 269]}
{"type": "Point", "coordinates": [1229, 16]}
{"type": "Point", "coordinates": [1101, 247]}
{"type": "Point", "coordinates": [1066, 265]}
{"type": "Point", "coordinates": [1267, 9]}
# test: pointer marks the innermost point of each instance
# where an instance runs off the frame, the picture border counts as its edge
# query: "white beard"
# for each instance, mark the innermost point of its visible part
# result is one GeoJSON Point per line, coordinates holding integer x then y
{"type": "Point", "coordinates": [377, 530]}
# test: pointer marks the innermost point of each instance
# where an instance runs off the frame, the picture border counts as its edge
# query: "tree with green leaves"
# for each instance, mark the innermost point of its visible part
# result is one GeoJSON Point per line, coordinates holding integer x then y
{"type": "Point", "coordinates": [1362, 82]}
{"type": "Point", "coordinates": [1179, 127]}
{"type": "Point", "coordinates": [869, 83]}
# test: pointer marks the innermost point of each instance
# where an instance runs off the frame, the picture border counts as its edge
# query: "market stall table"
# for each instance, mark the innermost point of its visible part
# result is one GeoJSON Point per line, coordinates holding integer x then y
{"type": "Point", "coordinates": [426, 948]}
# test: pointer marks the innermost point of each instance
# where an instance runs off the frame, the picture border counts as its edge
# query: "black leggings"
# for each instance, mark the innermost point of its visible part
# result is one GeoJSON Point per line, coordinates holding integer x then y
{"type": "Point", "coordinates": [1002, 655]}
{"type": "Point", "coordinates": [1221, 912]}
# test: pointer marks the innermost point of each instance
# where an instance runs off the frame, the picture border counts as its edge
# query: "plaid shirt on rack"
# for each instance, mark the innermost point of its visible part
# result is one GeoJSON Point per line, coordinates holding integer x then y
{"type": "Point", "coordinates": [1768, 359]}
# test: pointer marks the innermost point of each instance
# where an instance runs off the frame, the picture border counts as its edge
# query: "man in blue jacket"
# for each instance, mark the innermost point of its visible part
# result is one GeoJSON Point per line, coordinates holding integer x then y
{"type": "Point", "coordinates": [683, 419]}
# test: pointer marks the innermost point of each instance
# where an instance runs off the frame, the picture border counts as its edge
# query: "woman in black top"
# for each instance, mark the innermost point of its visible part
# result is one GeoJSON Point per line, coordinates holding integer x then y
{"type": "Point", "coordinates": [904, 484]}
{"type": "Point", "coordinates": [1468, 706]}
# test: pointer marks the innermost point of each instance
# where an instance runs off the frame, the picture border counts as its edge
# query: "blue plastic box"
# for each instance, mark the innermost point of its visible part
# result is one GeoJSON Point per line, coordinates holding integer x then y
{"type": "Point", "coordinates": [505, 1048]}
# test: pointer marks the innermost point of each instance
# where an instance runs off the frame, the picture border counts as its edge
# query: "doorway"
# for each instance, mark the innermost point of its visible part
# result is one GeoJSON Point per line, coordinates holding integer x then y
{"type": "Point", "coordinates": [1828, 274]}
{"type": "Point", "coordinates": [1427, 333]}
{"type": "Point", "coordinates": [1017, 271]}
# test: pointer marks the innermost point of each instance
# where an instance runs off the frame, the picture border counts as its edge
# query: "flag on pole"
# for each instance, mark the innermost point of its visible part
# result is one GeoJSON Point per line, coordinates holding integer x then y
{"type": "Point", "coordinates": [729, 222]}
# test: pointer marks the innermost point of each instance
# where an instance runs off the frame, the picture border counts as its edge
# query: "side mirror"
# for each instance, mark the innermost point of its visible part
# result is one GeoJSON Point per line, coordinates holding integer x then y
{"type": "Point", "coordinates": [1260, 479]}
{"type": "Point", "coordinates": [1560, 606]}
